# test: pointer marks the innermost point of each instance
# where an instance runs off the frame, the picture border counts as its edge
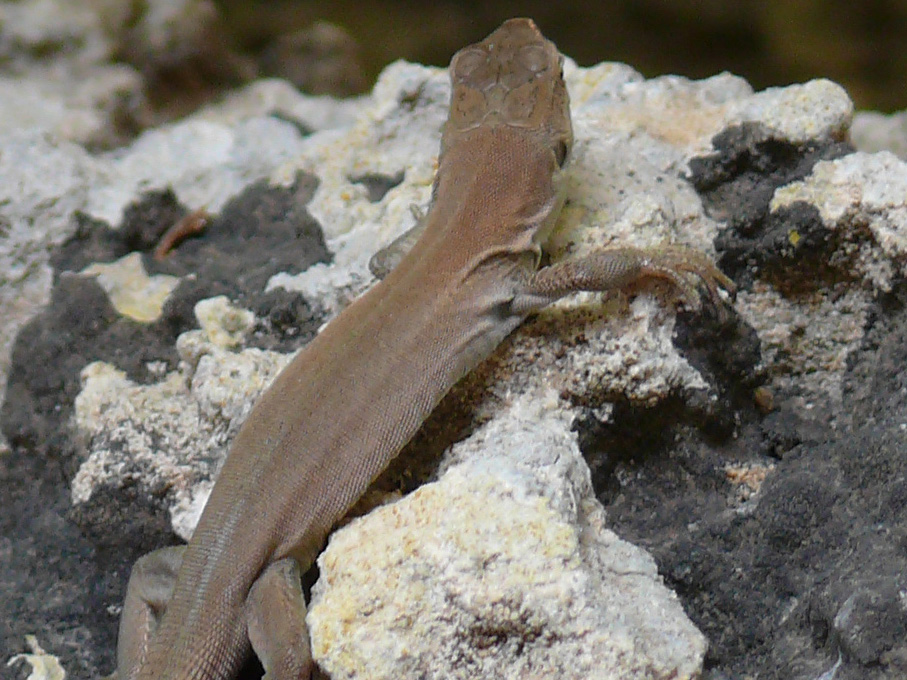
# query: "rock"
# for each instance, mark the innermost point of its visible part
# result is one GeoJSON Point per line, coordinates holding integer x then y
{"type": "Point", "coordinates": [279, 99]}
{"type": "Point", "coordinates": [184, 52]}
{"type": "Point", "coordinates": [320, 59]}
{"type": "Point", "coordinates": [44, 666]}
{"type": "Point", "coordinates": [82, 104]}
{"type": "Point", "coordinates": [181, 416]}
{"type": "Point", "coordinates": [96, 72]}
{"type": "Point", "coordinates": [855, 194]}
{"type": "Point", "coordinates": [872, 131]}
{"type": "Point", "coordinates": [119, 422]}
{"type": "Point", "coordinates": [502, 568]}
{"type": "Point", "coordinates": [132, 292]}
{"type": "Point", "coordinates": [43, 182]}
{"type": "Point", "coordinates": [58, 33]}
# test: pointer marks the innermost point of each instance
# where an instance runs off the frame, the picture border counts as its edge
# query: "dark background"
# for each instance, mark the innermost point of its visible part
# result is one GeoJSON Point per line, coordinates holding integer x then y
{"type": "Point", "coordinates": [860, 45]}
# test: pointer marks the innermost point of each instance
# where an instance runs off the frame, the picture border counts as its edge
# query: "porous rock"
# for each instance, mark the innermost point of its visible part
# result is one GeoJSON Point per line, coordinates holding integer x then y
{"type": "Point", "coordinates": [661, 405]}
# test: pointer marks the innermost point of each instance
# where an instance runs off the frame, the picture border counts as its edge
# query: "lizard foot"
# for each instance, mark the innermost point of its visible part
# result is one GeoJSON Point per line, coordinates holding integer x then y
{"type": "Point", "coordinates": [687, 270]}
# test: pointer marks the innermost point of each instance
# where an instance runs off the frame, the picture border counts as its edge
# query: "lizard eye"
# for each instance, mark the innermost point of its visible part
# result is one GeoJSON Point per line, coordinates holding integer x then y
{"type": "Point", "coordinates": [560, 153]}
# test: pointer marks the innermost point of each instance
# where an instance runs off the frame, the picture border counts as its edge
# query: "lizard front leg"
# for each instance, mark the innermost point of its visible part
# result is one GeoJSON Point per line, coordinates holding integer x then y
{"type": "Point", "coordinates": [382, 262]}
{"type": "Point", "coordinates": [616, 268]}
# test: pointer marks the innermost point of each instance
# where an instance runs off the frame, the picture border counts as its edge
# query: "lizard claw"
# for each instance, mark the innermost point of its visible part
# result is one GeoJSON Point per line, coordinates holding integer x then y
{"type": "Point", "coordinates": [688, 269]}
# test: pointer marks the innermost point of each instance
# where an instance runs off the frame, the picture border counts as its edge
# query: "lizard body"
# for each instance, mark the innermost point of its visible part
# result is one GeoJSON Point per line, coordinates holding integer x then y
{"type": "Point", "coordinates": [352, 398]}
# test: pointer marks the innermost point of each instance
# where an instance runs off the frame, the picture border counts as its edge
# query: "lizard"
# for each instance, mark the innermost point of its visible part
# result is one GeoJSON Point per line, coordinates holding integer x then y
{"type": "Point", "coordinates": [453, 288]}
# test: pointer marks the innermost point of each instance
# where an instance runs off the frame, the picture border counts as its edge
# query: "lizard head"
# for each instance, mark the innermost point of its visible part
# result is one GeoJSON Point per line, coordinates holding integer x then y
{"type": "Point", "coordinates": [512, 78]}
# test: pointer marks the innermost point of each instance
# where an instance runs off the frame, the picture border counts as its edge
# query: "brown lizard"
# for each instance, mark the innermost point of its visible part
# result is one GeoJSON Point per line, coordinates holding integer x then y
{"type": "Point", "coordinates": [352, 398]}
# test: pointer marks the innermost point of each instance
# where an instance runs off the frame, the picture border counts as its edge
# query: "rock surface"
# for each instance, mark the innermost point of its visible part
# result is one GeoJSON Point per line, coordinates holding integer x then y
{"type": "Point", "coordinates": [88, 71]}
{"type": "Point", "coordinates": [502, 568]}
{"type": "Point", "coordinates": [872, 131]}
{"type": "Point", "coordinates": [756, 458]}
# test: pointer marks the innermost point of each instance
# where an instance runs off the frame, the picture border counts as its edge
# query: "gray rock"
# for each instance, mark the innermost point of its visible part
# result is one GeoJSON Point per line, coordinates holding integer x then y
{"type": "Point", "coordinates": [873, 131]}
{"type": "Point", "coordinates": [777, 533]}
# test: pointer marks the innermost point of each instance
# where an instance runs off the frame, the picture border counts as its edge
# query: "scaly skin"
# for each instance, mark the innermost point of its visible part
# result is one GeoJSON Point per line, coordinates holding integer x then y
{"type": "Point", "coordinates": [343, 409]}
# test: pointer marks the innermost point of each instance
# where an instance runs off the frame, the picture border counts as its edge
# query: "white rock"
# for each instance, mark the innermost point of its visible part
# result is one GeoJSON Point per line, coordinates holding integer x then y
{"type": "Point", "coordinates": [817, 110]}
{"type": "Point", "coordinates": [205, 164]}
{"type": "Point", "coordinates": [872, 131]}
{"type": "Point", "coordinates": [515, 497]}
{"type": "Point", "coordinates": [274, 97]}
{"type": "Point", "coordinates": [76, 31]}
{"type": "Point", "coordinates": [223, 324]}
{"type": "Point", "coordinates": [173, 435]}
{"type": "Point", "coordinates": [501, 569]}
{"type": "Point", "coordinates": [78, 105]}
